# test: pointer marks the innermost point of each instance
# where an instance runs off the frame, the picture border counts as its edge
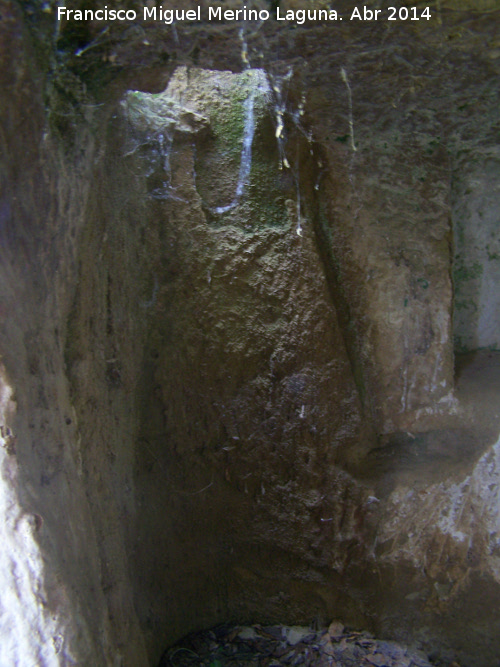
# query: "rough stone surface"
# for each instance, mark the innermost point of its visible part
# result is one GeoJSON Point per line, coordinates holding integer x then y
{"type": "Point", "coordinates": [230, 388]}
{"type": "Point", "coordinates": [476, 269]}
{"type": "Point", "coordinates": [244, 359]}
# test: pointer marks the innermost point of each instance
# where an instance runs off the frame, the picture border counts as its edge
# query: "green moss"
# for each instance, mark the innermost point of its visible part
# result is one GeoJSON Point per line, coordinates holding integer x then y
{"type": "Point", "coordinates": [433, 145]}
{"type": "Point", "coordinates": [263, 204]}
{"type": "Point", "coordinates": [463, 273]}
{"type": "Point", "coordinates": [227, 114]}
{"type": "Point", "coordinates": [424, 284]}
{"type": "Point", "coordinates": [419, 174]}
{"type": "Point", "coordinates": [466, 304]}
{"type": "Point", "coordinates": [228, 124]}
{"type": "Point", "coordinates": [460, 234]}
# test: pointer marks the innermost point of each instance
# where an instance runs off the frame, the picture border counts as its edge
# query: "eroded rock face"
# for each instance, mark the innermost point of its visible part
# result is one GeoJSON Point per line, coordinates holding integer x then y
{"type": "Point", "coordinates": [228, 331]}
{"type": "Point", "coordinates": [243, 363]}
{"type": "Point", "coordinates": [50, 561]}
{"type": "Point", "coordinates": [476, 257]}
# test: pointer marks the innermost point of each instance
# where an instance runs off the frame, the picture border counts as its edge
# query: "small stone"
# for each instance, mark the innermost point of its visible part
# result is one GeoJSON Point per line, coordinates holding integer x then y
{"type": "Point", "coordinates": [296, 634]}
{"type": "Point", "coordinates": [273, 630]}
{"type": "Point", "coordinates": [335, 629]}
{"type": "Point", "coordinates": [231, 636]}
{"type": "Point", "coordinates": [379, 660]}
{"type": "Point", "coordinates": [247, 633]}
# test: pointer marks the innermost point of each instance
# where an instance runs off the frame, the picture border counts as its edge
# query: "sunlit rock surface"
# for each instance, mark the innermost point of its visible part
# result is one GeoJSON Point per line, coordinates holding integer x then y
{"type": "Point", "coordinates": [249, 331]}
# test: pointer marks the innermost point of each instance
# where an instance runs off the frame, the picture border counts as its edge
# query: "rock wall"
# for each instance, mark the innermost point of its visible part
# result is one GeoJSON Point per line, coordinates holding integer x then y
{"type": "Point", "coordinates": [54, 605]}
{"type": "Point", "coordinates": [228, 307]}
{"type": "Point", "coordinates": [475, 219]}
{"type": "Point", "coordinates": [244, 361]}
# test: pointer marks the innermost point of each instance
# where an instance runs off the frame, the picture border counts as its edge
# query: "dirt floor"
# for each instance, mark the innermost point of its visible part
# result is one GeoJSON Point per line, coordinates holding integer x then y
{"type": "Point", "coordinates": [270, 646]}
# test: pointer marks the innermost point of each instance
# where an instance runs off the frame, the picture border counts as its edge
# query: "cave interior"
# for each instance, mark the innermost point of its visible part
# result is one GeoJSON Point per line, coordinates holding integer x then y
{"type": "Point", "coordinates": [250, 328]}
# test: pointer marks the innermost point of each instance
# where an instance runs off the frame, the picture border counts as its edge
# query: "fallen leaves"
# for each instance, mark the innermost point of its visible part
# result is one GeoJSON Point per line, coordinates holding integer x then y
{"type": "Point", "coordinates": [272, 646]}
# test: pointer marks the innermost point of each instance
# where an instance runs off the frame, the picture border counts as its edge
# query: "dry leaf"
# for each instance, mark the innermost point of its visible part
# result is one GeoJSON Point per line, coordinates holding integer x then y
{"type": "Point", "coordinates": [328, 648]}
{"type": "Point", "coordinates": [403, 662]}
